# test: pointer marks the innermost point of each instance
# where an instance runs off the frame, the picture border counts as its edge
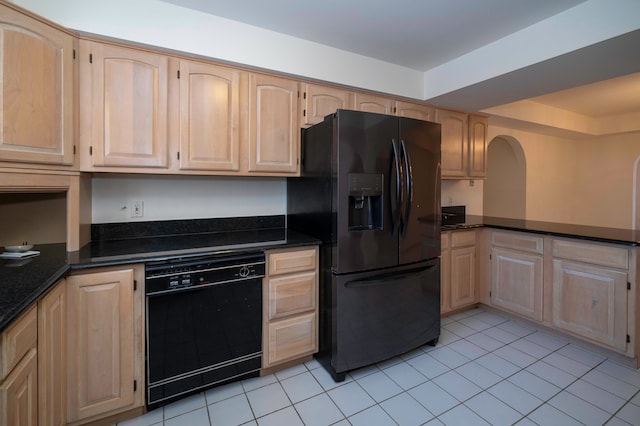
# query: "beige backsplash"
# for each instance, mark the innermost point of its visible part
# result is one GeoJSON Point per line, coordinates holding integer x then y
{"type": "Point", "coordinates": [36, 218]}
{"type": "Point", "coordinates": [463, 192]}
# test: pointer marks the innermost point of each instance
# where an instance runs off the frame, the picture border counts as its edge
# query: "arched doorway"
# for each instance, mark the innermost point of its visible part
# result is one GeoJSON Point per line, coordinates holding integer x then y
{"type": "Point", "coordinates": [505, 188]}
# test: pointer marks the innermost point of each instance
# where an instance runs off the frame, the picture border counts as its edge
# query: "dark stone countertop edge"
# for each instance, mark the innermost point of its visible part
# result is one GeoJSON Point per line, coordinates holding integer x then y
{"type": "Point", "coordinates": [619, 236]}
{"type": "Point", "coordinates": [71, 261]}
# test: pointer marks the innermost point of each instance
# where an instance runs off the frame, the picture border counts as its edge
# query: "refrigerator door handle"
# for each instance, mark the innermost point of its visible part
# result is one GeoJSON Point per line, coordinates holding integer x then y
{"type": "Point", "coordinates": [408, 197]}
{"type": "Point", "coordinates": [384, 279]}
{"type": "Point", "coordinates": [396, 206]}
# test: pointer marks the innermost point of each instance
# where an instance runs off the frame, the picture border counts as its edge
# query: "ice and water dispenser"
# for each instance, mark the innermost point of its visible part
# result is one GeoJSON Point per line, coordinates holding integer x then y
{"type": "Point", "coordinates": [365, 201]}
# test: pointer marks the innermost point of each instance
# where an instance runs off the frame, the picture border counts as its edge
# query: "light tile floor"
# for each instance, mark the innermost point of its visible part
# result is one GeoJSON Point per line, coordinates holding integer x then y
{"type": "Point", "coordinates": [486, 369]}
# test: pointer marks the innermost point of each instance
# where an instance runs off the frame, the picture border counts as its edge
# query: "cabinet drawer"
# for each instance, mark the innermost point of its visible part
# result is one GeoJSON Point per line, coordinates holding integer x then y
{"type": "Point", "coordinates": [614, 257]}
{"type": "Point", "coordinates": [463, 238]}
{"type": "Point", "coordinates": [285, 262]}
{"type": "Point", "coordinates": [17, 340]}
{"type": "Point", "coordinates": [292, 294]}
{"type": "Point", "coordinates": [292, 338]}
{"type": "Point", "coordinates": [518, 241]}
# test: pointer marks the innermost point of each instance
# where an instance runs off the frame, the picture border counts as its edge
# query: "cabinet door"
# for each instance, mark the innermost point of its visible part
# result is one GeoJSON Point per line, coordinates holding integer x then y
{"type": "Point", "coordinates": [463, 266]}
{"type": "Point", "coordinates": [320, 101]}
{"type": "Point", "coordinates": [52, 362]}
{"type": "Point", "coordinates": [590, 301]}
{"type": "Point", "coordinates": [103, 344]}
{"type": "Point", "coordinates": [478, 127]}
{"type": "Point", "coordinates": [516, 282]}
{"type": "Point", "coordinates": [420, 112]}
{"type": "Point", "coordinates": [127, 105]}
{"type": "Point", "coordinates": [19, 393]}
{"type": "Point", "coordinates": [454, 143]}
{"type": "Point", "coordinates": [209, 117]}
{"type": "Point", "coordinates": [292, 294]}
{"type": "Point", "coordinates": [274, 132]}
{"type": "Point", "coordinates": [36, 91]}
{"type": "Point", "coordinates": [371, 103]}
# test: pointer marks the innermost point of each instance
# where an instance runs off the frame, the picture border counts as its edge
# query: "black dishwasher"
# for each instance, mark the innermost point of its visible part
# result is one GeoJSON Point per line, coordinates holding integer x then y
{"type": "Point", "coordinates": [204, 323]}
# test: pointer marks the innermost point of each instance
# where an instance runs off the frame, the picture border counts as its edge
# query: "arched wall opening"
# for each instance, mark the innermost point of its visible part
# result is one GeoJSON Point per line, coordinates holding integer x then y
{"type": "Point", "coordinates": [505, 188]}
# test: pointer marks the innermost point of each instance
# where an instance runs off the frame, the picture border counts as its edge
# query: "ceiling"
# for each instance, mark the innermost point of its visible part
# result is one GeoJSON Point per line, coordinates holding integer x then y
{"type": "Point", "coordinates": [422, 34]}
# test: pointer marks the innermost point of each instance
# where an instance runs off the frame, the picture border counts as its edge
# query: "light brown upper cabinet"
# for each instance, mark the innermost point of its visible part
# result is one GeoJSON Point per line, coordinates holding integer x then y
{"type": "Point", "coordinates": [372, 103]}
{"type": "Point", "coordinates": [209, 117]}
{"type": "Point", "coordinates": [320, 101]}
{"type": "Point", "coordinates": [478, 127]}
{"type": "Point", "coordinates": [411, 110]}
{"type": "Point", "coordinates": [124, 115]}
{"type": "Point", "coordinates": [36, 91]}
{"type": "Point", "coordinates": [464, 144]}
{"type": "Point", "coordinates": [274, 133]}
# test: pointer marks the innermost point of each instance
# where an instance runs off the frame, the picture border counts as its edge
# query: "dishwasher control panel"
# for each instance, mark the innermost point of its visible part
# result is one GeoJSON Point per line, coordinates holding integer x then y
{"type": "Point", "coordinates": [162, 277]}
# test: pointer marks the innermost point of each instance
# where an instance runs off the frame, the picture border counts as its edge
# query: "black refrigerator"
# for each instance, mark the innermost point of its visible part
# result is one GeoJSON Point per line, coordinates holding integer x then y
{"type": "Point", "coordinates": [370, 191]}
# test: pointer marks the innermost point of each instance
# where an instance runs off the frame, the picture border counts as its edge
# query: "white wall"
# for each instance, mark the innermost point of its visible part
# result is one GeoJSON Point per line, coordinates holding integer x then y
{"type": "Point", "coordinates": [185, 197]}
{"type": "Point", "coordinates": [461, 192]}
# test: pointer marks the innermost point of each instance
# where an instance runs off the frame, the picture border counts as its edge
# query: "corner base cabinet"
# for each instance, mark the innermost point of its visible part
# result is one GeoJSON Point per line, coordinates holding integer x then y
{"type": "Point", "coordinates": [290, 310]}
{"type": "Point", "coordinates": [105, 342]}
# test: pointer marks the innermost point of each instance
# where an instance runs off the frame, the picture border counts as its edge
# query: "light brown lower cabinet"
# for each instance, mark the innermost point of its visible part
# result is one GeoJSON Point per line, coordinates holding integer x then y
{"type": "Point", "coordinates": [290, 310]}
{"type": "Point", "coordinates": [52, 350]}
{"type": "Point", "coordinates": [517, 273]}
{"type": "Point", "coordinates": [19, 372]}
{"type": "Point", "coordinates": [586, 289]}
{"type": "Point", "coordinates": [591, 287]}
{"type": "Point", "coordinates": [105, 343]}
{"type": "Point", "coordinates": [457, 270]}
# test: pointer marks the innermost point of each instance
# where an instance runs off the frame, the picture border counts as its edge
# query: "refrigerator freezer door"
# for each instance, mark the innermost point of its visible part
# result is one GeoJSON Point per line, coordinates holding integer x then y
{"type": "Point", "coordinates": [383, 314]}
{"type": "Point", "coordinates": [364, 185]}
{"type": "Point", "coordinates": [420, 232]}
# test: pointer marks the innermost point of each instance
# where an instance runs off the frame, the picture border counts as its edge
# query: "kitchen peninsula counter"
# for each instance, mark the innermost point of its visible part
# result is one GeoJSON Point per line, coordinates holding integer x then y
{"type": "Point", "coordinates": [621, 236]}
{"type": "Point", "coordinates": [23, 282]}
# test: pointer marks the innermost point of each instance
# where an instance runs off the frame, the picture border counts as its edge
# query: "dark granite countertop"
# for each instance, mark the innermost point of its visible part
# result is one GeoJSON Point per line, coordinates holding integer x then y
{"type": "Point", "coordinates": [590, 233]}
{"type": "Point", "coordinates": [24, 282]}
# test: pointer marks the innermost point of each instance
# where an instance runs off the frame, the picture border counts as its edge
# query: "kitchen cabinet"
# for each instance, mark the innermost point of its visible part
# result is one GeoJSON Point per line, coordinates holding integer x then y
{"type": "Point", "coordinates": [210, 108]}
{"type": "Point", "coordinates": [478, 131]}
{"type": "Point", "coordinates": [37, 92]}
{"type": "Point", "coordinates": [290, 325]}
{"type": "Point", "coordinates": [372, 103]}
{"type": "Point", "coordinates": [417, 111]}
{"type": "Point", "coordinates": [19, 371]}
{"type": "Point", "coordinates": [590, 292]}
{"type": "Point", "coordinates": [274, 133]}
{"type": "Point", "coordinates": [464, 144]}
{"type": "Point", "coordinates": [319, 101]}
{"type": "Point", "coordinates": [124, 114]}
{"type": "Point", "coordinates": [458, 270]}
{"type": "Point", "coordinates": [517, 273]}
{"type": "Point", "coordinates": [52, 352]}
{"type": "Point", "coordinates": [105, 342]}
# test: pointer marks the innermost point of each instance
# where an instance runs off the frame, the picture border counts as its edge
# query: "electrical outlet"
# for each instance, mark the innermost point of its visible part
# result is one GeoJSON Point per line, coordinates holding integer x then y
{"type": "Point", "coordinates": [137, 208]}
